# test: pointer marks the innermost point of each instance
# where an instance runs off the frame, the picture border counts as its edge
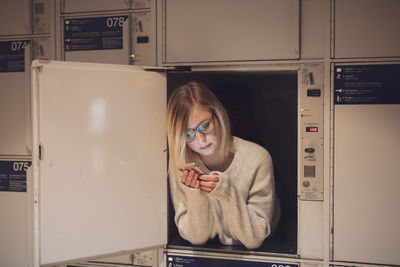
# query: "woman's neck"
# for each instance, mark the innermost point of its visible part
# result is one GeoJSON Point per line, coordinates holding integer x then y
{"type": "Point", "coordinates": [217, 162]}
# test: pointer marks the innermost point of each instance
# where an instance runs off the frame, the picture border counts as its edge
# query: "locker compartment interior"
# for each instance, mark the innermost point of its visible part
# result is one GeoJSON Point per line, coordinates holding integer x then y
{"type": "Point", "coordinates": [262, 106]}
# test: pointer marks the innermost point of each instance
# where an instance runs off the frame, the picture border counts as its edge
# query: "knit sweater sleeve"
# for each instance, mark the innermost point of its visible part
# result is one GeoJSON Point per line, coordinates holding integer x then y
{"type": "Point", "coordinates": [192, 212]}
{"type": "Point", "coordinates": [250, 210]}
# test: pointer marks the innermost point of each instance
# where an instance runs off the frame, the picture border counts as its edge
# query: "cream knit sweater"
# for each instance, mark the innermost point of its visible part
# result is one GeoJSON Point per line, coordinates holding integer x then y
{"type": "Point", "coordinates": [241, 209]}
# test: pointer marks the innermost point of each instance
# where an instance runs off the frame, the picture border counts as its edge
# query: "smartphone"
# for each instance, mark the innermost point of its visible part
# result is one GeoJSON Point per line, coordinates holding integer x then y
{"type": "Point", "coordinates": [192, 166]}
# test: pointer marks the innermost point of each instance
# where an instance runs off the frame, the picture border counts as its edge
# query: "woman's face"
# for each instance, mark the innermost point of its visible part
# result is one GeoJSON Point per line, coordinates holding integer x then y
{"type": "Point", "coordinates": [204, 144]}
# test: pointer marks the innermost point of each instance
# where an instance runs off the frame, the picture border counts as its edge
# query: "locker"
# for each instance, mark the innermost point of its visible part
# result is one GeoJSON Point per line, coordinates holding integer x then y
{"type": "Point", "coordinates": [232, 31]}
{"type": "Point", "coordinates": [15, 137]}
{"type": "Point", "coordinates": [366, 29]}
{"type": "Point", "coordinates": [367, 111]}
{"type": "Point", "coordinates": [16, 246]}
{"type": "Point", "coordinates": [98, 129]}
{"type": "Point", "coordinates": [15, 17]}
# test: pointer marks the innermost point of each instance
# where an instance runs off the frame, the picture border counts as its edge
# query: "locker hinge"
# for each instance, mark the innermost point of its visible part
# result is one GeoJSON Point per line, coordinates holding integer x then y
{"type": "Point", "coordinates": [39, 69]}
{"type": "Point", "coordinates": [40, 151]}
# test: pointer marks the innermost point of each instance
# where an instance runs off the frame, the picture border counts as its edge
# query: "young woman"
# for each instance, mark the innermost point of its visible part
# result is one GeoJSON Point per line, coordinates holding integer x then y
{"type": "Point", "coordinates": [235, 199]}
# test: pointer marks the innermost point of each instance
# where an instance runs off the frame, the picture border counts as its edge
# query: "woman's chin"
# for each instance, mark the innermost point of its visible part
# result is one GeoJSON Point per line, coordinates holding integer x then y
{"type": "Point", "coordinates": [207, 151]}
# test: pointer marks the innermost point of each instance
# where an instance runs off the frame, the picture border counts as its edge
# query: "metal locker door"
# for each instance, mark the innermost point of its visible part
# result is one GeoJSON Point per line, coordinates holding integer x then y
{"type": "Point", "coordinates": [15, 138]}
{"type": "Point", "coordinates": [230, 30]}
{"type": "Point", "coordinates": [15, 17]}
{"type": "Point", "coordinates": [16, 213]}
{"type": "Point", "coordinates": [74, 6]}
{"type": "Point", "coordinates": [366, 28]}
{"type": "Point", "coordinates": [366, 164]}
{"type": "Point", "coordinates": [99, 160]}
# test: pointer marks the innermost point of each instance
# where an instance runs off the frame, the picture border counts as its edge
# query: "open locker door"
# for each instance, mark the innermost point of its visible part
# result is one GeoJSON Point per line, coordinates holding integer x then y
{"type": "Point", "coordinates": [99, 160]}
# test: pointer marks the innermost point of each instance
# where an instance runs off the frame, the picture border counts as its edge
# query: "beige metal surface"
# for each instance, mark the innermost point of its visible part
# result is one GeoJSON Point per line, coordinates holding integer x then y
{"type": "Point", "coordinates": [366, 28]}
{"type": "Point", "coordinates": [100, 184]}
{"type": "Point", "coordinates": [366, 183]}
{"type": "Point", "coordinates": [231, 30]}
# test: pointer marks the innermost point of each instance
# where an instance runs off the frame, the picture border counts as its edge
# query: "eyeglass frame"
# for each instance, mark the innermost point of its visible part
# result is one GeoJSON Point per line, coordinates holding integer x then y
{"type": "Point", "coordinates": [196, 129]}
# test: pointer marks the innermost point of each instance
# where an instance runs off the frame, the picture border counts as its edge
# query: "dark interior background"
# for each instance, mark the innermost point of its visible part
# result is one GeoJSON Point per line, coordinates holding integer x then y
{"type": "Point", "coordinates": [262, 107]}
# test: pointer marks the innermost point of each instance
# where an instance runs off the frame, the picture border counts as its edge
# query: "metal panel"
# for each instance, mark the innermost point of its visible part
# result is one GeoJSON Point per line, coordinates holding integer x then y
{"type": "Point", "coordinates": [73, 6]}
{"type": "Point", "coordinates": [311, 134]}
{"type": "Point", "coordinates": [15, 17]}
{"type": "Point", "coordinates": [312, 29]}
{"type": "Point", "coordinates": [143, 39]}
{"type": "Point", "coordinates": [310, 157]}
{"type": "Point", "coordinates": [16, 220]}
{"type": "Point", "coordinates": [203, 31]}
{"type": "Point", "coordinates": [366, 217]}
{"type": "Point", "coordinates": [366, 165]}
{"type": "Point", "coordinates": [102, 186]}
{"type": "Point", "coordinates": [141, 4]}
{"type": "Point", "coordinates": [366, 28]}
{"type": "Point", "coordinates": [311, 229]}
{"type": "Point", "coordinates": [43, 48]}
{"type": "Point", "coordinates": [15, 137]}
{"type": "Point", "coordinates": [94, 32]}
{"type": "Point", "coordinates": [42, 16]}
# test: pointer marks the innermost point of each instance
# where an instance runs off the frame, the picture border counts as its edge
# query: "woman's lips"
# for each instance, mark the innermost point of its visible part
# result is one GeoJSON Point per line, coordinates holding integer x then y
{"type": "Point", "coordinates": [205, 147]}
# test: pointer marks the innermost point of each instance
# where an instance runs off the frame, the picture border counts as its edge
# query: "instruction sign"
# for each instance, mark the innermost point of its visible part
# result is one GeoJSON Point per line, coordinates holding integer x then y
{"type": "Point", "coordinates": [185, 261]}
{"type": "Point", "coordinates": [13, 175]}
{"type": "Point", "coordinates": [12, 55]}
{"type": "Point", "coordinates": [367, 84]}
{"type": "Point", "coordinates": [99, 33]}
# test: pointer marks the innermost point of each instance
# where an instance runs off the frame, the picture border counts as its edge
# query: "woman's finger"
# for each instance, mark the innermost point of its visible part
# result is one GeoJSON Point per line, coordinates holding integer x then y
{"type": "Point", "coordinates": [212, 177]}
{"type": "Point", "coordinates": [189, 178]}
{"type": "Point", "coordinates": [184, 176]}
{"type": "Point", "coordinates": [205, 189]}
{"type": "Point", "coordinates": [210, 184]}
{"type": "Point", "coordinates": [194, 179]}
{"type": "Point", "coordinates": [197, 184]}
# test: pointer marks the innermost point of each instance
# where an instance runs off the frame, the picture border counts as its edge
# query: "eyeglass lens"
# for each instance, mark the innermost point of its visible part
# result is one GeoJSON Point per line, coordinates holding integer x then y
{"type": "Point", "coordinates": [204, 128]}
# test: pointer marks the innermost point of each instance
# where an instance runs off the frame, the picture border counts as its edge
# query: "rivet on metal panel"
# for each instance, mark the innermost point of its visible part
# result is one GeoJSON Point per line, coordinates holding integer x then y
{"type": "Point", "coordinates": [39, 69]}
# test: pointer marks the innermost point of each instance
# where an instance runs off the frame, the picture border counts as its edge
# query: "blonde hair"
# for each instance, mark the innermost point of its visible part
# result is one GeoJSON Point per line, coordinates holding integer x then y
{"type": "Point", "coordinates": [180, 105]}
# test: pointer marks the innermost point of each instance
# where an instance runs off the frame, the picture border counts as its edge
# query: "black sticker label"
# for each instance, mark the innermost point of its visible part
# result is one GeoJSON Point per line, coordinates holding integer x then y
{"type": "Point", "coordinates": [184, 261]}
{"type": "Point", "coordinates": [100, 33]}
{"type": "Point", "coordinates": [367, 84]}
{"type": "Point", "coordinates": [13, 175]}
{"type": "Point", "coordinates": [12, 55]}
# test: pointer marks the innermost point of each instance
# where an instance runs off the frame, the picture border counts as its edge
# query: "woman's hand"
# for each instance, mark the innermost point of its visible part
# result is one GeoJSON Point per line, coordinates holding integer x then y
{"type": "Point", "coordinates": [191, 179]}
{"type": "Point", "coordinates": [208, 182]}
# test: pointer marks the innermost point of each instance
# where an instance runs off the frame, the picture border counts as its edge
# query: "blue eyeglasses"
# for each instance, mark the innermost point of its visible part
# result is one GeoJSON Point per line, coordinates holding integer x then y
{"type": "Point", "coordinates": [205, 127]}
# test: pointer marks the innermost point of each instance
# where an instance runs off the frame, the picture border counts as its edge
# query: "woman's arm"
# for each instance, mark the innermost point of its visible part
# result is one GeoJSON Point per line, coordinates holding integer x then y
{"type": "Point", "coordinates": [249, 219]}
{"type": "Point", "coordinates": [192, 212]}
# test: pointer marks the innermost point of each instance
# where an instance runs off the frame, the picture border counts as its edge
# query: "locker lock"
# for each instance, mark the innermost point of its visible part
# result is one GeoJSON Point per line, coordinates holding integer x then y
{"type": "Point", "coordinates": [309, 150]}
